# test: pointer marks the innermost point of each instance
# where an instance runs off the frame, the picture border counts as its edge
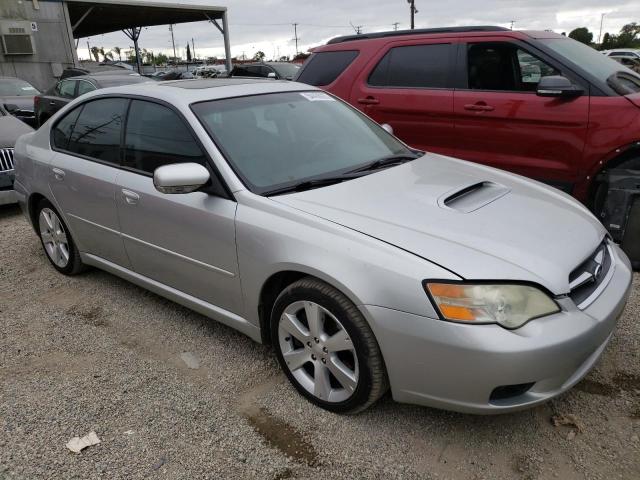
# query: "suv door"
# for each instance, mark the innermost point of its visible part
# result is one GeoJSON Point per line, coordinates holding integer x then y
{"type": "Point", "coordinates": [409, 86]}
{"type": "Point", "coordinates": [502, 122]}
{"type": "Point", "coordinates": [186, 241]}
{"type": "Point", "coordinates": [83, 175]}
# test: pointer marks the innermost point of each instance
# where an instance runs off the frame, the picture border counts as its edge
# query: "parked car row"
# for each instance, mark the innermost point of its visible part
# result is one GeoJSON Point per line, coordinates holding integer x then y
{"type": "Point", "coordinates": [534, 103]}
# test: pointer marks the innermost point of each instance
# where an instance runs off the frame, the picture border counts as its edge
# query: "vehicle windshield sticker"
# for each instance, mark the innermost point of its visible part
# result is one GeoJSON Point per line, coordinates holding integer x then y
{"type": "Point", "coordinates": [317, 97]}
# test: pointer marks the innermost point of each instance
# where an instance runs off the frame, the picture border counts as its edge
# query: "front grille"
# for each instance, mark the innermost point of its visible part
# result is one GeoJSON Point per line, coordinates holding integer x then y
{"type": "Point", "coordinates": [587, 279]}
{"type": "Point", "coordinates": [6, 159]}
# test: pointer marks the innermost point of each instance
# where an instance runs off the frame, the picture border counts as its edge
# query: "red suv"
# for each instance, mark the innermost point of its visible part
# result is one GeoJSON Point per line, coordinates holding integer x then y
{"type": "Point", "coordinates": [535, 103]}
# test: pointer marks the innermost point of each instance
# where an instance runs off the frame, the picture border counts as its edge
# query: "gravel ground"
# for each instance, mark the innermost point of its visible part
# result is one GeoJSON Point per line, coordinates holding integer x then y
{"type": "Point", "coordinates": [174, 395]}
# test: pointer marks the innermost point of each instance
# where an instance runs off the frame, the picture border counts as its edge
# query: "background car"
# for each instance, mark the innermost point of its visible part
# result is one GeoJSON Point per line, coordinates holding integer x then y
{"type": "Point", "coordinates": [10, 129]}
{"type": "Point", "coordinates": [275, 70]}
{"type": "Point", "coordinates": [623, 52]}
{"type": "Point", "coordinates": [628, 61]}
{"type": "Point", "coordinates": [16, 96]}
{"type": "Point", "coordinates": [535, 103]}
{"type": "Point", "coordinates": [66, 90]}
{"type": "Point", "coordinates": [173, 75]}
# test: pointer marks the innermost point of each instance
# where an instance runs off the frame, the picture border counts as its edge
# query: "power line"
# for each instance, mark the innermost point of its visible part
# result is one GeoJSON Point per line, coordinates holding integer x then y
{"type": "Point", "coordinates": [395, 25]}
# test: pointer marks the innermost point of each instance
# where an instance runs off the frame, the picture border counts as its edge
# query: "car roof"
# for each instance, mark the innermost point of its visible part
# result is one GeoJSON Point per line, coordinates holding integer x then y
{"type": "Point", "coordinates": [186, 92]}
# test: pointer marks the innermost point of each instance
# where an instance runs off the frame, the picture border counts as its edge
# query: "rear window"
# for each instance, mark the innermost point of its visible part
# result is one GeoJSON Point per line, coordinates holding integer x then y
{"type": "Point", "coordinates": [323, 68]}
{"type": "Point", "coordinates": [414, 66]}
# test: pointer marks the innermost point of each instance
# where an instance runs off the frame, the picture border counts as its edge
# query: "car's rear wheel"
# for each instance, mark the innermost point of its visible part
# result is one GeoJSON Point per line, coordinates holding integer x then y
{"type": "Point", "coordinates": [326, 348]}
{"type": "Point", "coordinates": [57, 241]}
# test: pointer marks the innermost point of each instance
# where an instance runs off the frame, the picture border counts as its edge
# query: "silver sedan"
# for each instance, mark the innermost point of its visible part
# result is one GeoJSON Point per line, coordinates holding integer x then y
{"type": "Point", "coordinates": [281, 211]}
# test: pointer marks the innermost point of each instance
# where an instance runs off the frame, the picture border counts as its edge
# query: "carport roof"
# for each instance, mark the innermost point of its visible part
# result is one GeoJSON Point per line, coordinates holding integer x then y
{"type": "Point", "coordinates": [95, 17]}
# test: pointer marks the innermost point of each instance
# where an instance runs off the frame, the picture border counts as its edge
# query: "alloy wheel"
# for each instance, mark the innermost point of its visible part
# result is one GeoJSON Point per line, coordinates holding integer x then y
{"type": "Point", "coordinates": [54, 237]}
{"type": "Point", "coordinates": [318, 351]}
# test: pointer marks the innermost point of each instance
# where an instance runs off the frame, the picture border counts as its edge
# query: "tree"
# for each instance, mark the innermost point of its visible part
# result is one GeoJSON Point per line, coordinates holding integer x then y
{"type": "Point", "coordinates": [118, 52]}
{"type": "Point", "coordinates": [628, 37]}
{"type": "Point", "coordinates": [608, 41]}
{"type": "Point", "coordinates": [95, 51]}
{"type": "Point", "coordinates": [582, 35]}
{"type": "Point", "coordinates": [259, 56]}
{"type": "Point", "coordinates": [160, 59]}
{"type": "Point", "coordinates": [284, 58]}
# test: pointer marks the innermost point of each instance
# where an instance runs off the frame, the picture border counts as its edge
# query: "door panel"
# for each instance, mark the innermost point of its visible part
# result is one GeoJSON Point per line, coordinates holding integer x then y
{"type": "Point", "coordinates": [501, 122]}
{"type": "Point", "coordinates": [408, 86]}
{"type": "Point", "coordinates": [186, 241]}
{"type": "Point", "coordinates": [85, 191]}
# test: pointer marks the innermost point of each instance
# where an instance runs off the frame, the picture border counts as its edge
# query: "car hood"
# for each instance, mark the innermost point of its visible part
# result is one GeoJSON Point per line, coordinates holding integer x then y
{"type": "Point", "coordinates": [10, 129]}
{"type": "Point", "coordinates": [478, 222]}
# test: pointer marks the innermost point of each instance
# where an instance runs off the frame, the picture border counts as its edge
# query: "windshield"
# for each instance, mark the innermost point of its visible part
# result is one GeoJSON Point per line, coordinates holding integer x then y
{"type": "Point", "coordinates": [281, 139]}
{"type": "Point", "coordinates": [286, 70]}
{"type": "Point", "coordinates": [14, 87]}
{"type": "Point", "coordinates": [600, 66]}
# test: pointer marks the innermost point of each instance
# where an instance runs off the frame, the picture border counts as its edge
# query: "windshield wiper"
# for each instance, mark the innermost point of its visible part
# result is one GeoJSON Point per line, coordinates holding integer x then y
{"type": "Point", "coordinates": [313, 183]}
{"type": "Point", "coordinates": [389, 160]}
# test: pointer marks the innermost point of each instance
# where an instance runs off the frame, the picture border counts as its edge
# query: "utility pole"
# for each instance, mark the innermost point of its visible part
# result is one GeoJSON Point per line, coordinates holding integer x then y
{"type": "Point", "coordinates": [395, 26]}
{"type": "Point", "coordinates": [173, 42]}
{"type": "Point", "coordinates": [512, 22]}
{"type": "Point", "coordinates": [601, 22]}
{"type": "Point", "coordinates": [295, 35]}
{"type": "Point", "coordinates": [357, 29]}
{"type": "Point", "coordinates": [89, 50]}
{"type": "Point", "coordinates": [413, 10]}
{"type": "Point", "coordinates": [193, 49]}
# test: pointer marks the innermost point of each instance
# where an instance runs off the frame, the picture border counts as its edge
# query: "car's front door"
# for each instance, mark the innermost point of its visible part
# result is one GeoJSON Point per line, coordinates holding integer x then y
{"type": "Point", "coordinates": [502, 122]}
{"type": "Point", "coordinates": [185, 241]}
{"type": "Point", "coordinates": [408, 86]}
{"type": "Point", "coordinates": [83, 175]}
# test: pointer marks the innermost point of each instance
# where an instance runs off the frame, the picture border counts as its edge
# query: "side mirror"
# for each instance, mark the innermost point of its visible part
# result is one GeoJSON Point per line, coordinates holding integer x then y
{"type": "Point", "coordinates": [11, 108]}
{"type": "Point", "coordinates": [388, 128]}
{"type": "Point", "coordinates": [271, 75]}
{"type": "Point", "coordinates": [558, 86]}
{"type": "Point", "coordinates": [180, 177]}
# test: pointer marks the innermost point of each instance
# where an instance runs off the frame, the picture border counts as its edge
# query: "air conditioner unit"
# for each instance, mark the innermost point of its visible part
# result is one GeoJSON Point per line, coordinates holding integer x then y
{"type": "Point", "coordinates": [16, 37]}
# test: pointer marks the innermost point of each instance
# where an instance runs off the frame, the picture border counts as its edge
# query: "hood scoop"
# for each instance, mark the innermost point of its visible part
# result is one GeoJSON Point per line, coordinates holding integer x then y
{"type": "Point", "coordinates": [471, 197]}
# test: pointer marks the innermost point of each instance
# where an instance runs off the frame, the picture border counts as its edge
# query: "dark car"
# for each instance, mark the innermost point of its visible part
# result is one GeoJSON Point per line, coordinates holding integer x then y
{"type": "Point", "coordinates": [69, 88]}
{"type": "Point", "coordinates": [276, 70]}
{"type": "Point", "coordinates": [173, 75]}
{"type": "Point", "coordinates": [536, 103]}
{"type": "Point", "coordinates": [16, 96]}
{"type": "Point", "coordinates": [10, 129]}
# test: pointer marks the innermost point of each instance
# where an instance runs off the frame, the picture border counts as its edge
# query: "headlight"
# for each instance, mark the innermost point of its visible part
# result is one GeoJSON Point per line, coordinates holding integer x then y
{"type": "Point", "coordinates": [506, 304]}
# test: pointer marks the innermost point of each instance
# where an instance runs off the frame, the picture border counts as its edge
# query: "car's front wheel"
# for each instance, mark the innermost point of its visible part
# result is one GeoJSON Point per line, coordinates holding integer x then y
{"type": "Point", "coordinates": [57, 241]}
{"type": "Point", "coordinates": [326, 348]}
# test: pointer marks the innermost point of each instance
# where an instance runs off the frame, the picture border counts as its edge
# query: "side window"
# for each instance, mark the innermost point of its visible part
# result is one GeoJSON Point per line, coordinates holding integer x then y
{"type": "Point", "coordinates": [265, 71]}
{"type": "Point", "coordinates": [85, 87]}
{"type": "Point", "coordinates": [97, 131]}
{"type": "Point", "coordinates": [63, 129]}
{"type": "Point", "coordinates": [324, 67]}
{"type": "Point", "coordinates": [255, 71]}
{"type": "Point", "coordinates": [66, 88]}
{"type": "Point", "coordinates": [155, 135]}
{"type": "Point", "coordinates": [414, 66]}
{"type": "Point", "coordinates": [504, 67]}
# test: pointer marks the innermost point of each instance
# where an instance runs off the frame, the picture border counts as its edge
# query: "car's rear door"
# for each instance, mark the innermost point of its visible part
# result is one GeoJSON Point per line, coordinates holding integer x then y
{"type": "Point", "coordinates": [502, 122]}
{"type": "Point", "coordinates": [83, 175]}
{"type": "Point", "coordinates": [185, 241]}
{"type": "Point", "coordinates": [408, 85]}
{"type": "Point", "coordinates": [63, 93]}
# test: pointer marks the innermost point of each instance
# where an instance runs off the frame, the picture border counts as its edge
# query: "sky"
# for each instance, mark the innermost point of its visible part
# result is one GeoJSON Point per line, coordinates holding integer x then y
{"type": "Point", "coordinates": [267, 25]}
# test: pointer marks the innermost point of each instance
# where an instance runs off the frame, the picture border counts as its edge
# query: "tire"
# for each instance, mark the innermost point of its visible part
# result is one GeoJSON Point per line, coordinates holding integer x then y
{"type": "Point", "coordinates": [337, 365]}
{"type": "Point", "coordinates": [631, 240]}
{"type": "Point", "coordinates": [56, 240]}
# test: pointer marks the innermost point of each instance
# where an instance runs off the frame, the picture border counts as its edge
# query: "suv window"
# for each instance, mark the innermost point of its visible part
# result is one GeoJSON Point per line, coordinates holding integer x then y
{"type": "Point", "coordinates": [324, 67]}
{"type": "Point", "coordinates": [414, 66]}
{"type": "Point", "coordinates": [85, 87]}
{"type": "Point", "coordinates": [155, 135]}
{"type": "Point", "coordinates": [63, 129]}
{"type": "Point", "coordinates": [66, 88]}
{"type": "Point", "coordinates": [504, 66]}
{"type": "Point", "coordinates": [97, 131]}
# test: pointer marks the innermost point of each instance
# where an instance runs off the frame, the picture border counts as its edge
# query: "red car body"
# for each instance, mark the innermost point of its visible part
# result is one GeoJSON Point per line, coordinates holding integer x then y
{"type": "Point", "coordinates": [562, 141]}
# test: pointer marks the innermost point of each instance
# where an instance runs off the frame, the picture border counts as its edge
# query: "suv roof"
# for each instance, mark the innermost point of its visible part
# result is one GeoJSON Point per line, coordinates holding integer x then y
{"type": "Point", "coordinates": [396, 33]}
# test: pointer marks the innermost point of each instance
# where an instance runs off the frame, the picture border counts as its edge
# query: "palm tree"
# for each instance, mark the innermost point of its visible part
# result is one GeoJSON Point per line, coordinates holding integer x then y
{"type": "Point", "coordinates": [117, 52]}
{"type": "Point", "coordinates": [95, 51]}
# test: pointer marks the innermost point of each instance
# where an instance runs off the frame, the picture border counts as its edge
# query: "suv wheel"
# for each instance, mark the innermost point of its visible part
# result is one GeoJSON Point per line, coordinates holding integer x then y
{"type": "Point", "coordinates": [326, 348]}
{"type": "Point", "coordinates": [56, 240]}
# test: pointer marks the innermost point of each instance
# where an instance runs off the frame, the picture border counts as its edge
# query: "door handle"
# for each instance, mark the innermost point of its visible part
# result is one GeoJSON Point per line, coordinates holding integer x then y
{"type": "Point", "coordinates": [58, 173]}
{"type": "Point", "coordinates": [52, 103]}
{"type": "Point", "coordinates": [130, 197]}
{"type": "Point", "coordinates": [479, 107]}
{"type": "Point", "coordinates": [369, 100]}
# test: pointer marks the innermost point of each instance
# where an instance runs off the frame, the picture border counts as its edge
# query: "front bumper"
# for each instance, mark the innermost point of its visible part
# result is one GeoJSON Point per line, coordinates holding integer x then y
{"type": "Point", "coordinates": [8, 197]}
{"type": "Point", "coordinates": [7, 194]}
{"type": "Point", "coordinates": [457, 367]}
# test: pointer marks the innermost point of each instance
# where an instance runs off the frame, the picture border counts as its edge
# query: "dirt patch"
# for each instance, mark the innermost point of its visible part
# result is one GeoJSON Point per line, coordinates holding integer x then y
{"type": "Point", "coordinates": [621, 381]}
{"type": "Point", "coordinates": [91, 315]}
